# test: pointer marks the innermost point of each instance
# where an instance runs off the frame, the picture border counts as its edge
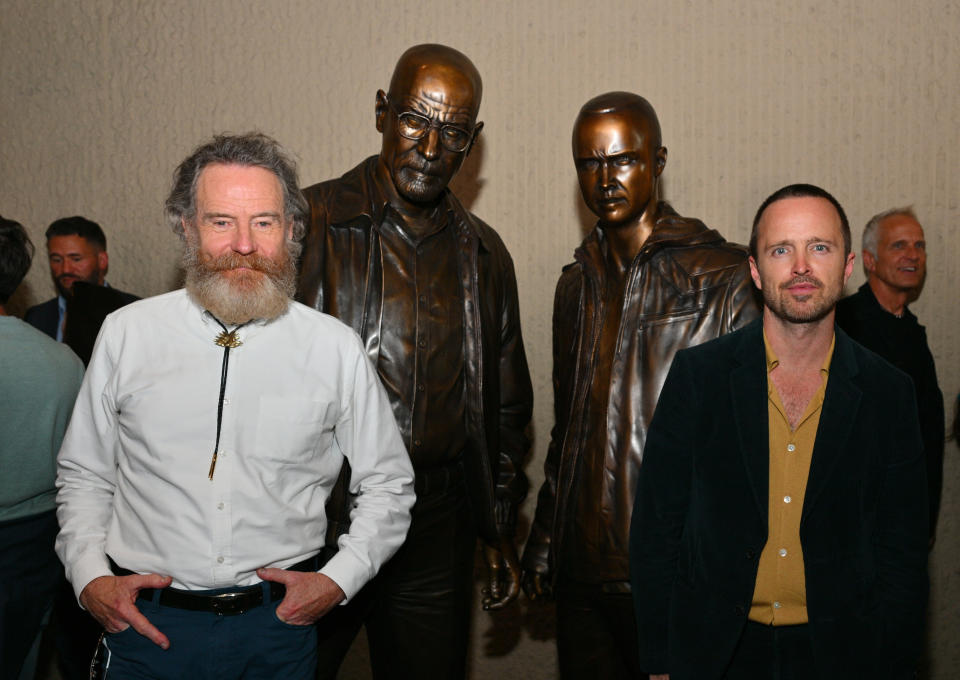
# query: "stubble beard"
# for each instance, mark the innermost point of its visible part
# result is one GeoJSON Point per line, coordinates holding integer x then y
{"type": "Point", "coordinates": [262, 292]}
{"type": "Point", "coordinates": [783, 305]}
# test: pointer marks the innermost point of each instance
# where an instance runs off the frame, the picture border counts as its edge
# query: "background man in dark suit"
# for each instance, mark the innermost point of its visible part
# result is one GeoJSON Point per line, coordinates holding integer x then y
{"type": "Point", "coordinates": [781, 521]}
{"type": "Point", "coordinates": [77, 252]}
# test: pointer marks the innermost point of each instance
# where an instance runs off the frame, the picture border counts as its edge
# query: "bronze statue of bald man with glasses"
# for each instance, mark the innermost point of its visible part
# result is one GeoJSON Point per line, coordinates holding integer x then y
{"type": "Point", "coordinates": [431, 290]}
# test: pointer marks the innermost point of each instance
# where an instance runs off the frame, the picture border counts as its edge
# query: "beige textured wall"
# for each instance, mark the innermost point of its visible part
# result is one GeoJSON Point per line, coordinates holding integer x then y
{"type": "Point", "coordinates": [99, 99]}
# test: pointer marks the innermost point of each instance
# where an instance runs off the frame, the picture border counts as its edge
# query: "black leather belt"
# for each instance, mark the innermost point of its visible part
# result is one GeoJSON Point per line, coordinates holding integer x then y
{"type": "Point", "coordinates": [237, 601]}
{"type": "Point", "coordinates": [225, 604]}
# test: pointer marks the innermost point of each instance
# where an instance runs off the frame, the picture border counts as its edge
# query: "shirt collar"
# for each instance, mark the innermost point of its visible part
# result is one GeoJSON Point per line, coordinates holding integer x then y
{"type": "Point", "coordinates": [773, 362]}
{"type": "Point", "coordinates": [211, 326]}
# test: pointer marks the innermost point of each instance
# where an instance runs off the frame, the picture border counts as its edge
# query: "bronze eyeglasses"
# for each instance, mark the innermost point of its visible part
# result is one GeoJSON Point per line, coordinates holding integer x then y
{"type": "Point", "coordinates": [416, 126]}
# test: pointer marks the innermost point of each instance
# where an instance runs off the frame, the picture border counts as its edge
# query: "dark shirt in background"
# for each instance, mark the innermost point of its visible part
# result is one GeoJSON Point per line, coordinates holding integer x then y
{"type": "Point", "coordinates": [903, 342]}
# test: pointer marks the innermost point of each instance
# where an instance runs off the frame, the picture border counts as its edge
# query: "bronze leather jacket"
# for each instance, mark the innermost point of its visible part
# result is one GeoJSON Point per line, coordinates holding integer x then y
{"type": "Point", "coordinates": [341, 274]}
{"type": "Point", "coordinates": [686, 286]}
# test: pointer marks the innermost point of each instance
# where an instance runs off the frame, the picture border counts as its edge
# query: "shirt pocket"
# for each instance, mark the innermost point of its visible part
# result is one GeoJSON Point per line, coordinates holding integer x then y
{"type": "Point", "coordinates": [294, 430]}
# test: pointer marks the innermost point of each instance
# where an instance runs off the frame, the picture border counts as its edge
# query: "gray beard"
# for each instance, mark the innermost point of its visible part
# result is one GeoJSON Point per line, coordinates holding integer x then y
{"type": "Point", "coordinates": [263, 293]}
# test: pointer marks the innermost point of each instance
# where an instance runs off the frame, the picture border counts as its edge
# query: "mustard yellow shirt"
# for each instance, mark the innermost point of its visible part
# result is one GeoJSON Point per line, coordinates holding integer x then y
{"type": "Point", "coordinates": [780, 594]}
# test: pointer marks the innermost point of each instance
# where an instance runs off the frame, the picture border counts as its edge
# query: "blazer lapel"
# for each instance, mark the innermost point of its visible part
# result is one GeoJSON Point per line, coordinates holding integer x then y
{"type": "Point", "coordinates": [840, 404]}
{"type": "Point", "coordinates": [748, 397]}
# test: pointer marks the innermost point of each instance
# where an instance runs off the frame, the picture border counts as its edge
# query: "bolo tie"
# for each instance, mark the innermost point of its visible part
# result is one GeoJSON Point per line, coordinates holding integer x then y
{"type": "Point", "coordinates": [228, 340]}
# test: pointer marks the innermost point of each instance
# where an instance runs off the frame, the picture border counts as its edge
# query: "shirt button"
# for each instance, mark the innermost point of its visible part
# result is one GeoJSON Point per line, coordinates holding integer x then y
{"type": "Point", "coordinates": [787, 499]}
{"type": "Point", "coordinates": [783, 552]}
{"type": "Point", "coordinates": [791, 447]}
{"type": "Point", "coordinates": [226, 402]}
{"type": "Point", "coordinates": [420, 387]}
{"type": "Point", "coordinates": [422, 343]}
{"type": "Point", "coordinates": [423, 298]}
{"type": "Point", "coordinates": [219, 506]}
{"type": "Point", "coordinates": [416, 442]}
{"type": "Point", "coordinates": [776, 605]}
{"type": "Point", "coordinates": [220, 559]}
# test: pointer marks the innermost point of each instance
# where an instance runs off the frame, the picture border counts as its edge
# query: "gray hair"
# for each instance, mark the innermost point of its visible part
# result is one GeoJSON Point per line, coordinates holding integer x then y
{"type": "Point", "coordinates": [250, 149]}
{"type": "Point", "coordinates": [868, 241]}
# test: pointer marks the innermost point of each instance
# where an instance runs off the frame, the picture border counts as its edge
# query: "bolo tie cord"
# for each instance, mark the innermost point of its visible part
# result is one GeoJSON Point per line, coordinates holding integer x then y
{"type": "Point", "coordinates": [228, 340]}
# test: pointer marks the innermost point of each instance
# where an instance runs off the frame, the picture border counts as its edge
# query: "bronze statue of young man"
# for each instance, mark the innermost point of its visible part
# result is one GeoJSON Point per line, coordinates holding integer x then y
{"type": "Point", "coordinates": [645, 283]}
{"type": "Point", "coordinates": [431, 290]}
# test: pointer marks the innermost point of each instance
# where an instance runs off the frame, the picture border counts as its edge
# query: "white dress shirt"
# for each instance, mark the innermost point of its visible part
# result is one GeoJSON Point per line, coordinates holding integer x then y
{"type": "Point", "coordinates": [300, 396]}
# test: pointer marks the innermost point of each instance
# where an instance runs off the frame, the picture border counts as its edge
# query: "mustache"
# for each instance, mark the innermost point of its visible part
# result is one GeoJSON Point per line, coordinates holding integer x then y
{"type": "Point", "coordinates": [254, 261]}
{"type": "Point", "coordinates": [413, 161]}
{"type": "Point", "coordinates": [811, 280]}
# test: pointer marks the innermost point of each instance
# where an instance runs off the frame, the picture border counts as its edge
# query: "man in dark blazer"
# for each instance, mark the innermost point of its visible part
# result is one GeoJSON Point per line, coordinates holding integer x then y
{"type": "Point", "coordinates": [780, 524]}
{"type": "Point", "coordinates": [77, 252]}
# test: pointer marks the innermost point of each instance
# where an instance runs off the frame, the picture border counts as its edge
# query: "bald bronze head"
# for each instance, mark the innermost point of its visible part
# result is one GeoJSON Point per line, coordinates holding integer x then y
{"type": "Point", "coordinates": [619, 157]}
{"type": "Point", "coordinates": [428, 121]}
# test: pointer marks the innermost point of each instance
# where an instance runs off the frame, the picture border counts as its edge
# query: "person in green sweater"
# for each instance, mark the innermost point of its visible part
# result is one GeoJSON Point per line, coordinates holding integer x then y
{"type": "Point", "coordinates": [39, 381]}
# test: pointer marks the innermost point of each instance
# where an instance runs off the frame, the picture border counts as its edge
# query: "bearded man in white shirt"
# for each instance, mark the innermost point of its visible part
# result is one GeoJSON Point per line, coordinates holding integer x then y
{"type": "Point", "coordinates": [209, 430]}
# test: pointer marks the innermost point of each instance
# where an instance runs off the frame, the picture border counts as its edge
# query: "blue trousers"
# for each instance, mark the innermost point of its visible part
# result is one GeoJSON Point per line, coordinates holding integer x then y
{"type": "Point", "coordinates": [254, 645]}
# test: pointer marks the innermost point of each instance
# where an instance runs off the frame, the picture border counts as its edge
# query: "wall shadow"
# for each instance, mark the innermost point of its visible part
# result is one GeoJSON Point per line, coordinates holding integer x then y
{"type": "Point", "coordinates": [585, 219]}
{"type": "Point", "coordinates": [467, 184]}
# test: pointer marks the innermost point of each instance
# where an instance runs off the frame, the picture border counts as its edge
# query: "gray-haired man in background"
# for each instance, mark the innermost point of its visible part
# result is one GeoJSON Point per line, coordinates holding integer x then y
{"type": "Point", "coordinates": [876, 316]}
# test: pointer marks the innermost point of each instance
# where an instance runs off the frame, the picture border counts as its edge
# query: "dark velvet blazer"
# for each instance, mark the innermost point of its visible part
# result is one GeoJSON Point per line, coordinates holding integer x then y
{"type": "Point", "coordinates": [700, 517]}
